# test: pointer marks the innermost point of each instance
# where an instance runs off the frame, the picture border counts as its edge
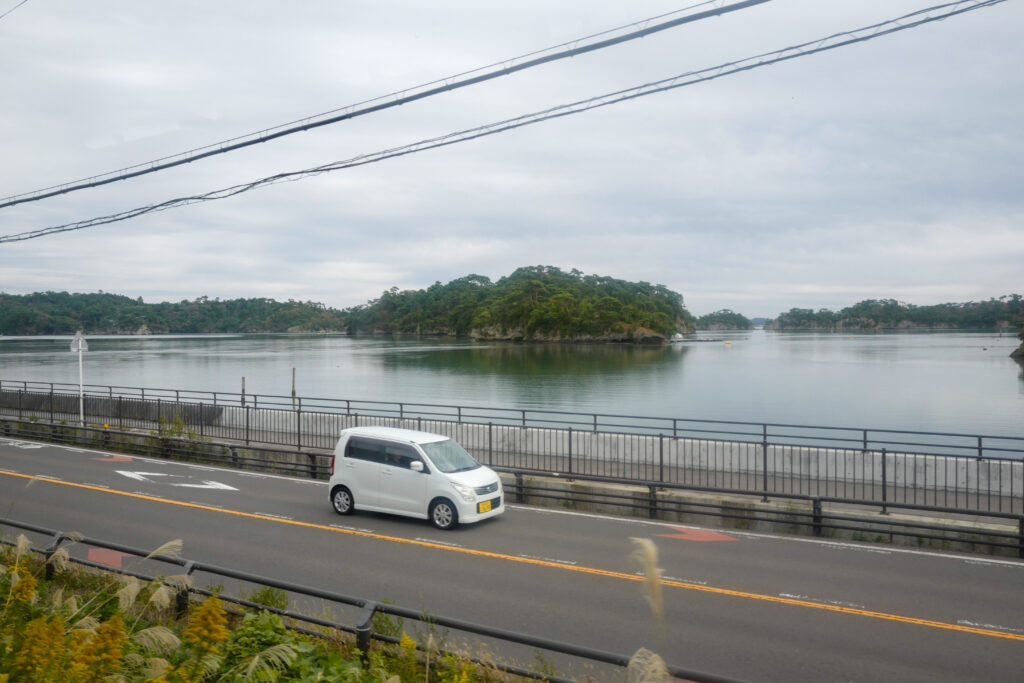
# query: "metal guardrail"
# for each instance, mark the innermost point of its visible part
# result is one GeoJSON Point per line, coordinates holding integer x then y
{"type": "Point", "coordinates": [366, 609]}
{"type": "Point", "coordinates": [970, 473]}
{"type": "Point", "coordinates": [849, 438]}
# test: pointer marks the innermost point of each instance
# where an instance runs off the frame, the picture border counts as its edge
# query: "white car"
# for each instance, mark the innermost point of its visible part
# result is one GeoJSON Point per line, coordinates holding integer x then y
{"type": "Point", "coordinates": [417, 474]}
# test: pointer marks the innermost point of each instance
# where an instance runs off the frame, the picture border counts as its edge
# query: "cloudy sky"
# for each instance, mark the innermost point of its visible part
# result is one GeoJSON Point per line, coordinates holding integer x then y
{"type": "Point", "coordinates": [888, 169]}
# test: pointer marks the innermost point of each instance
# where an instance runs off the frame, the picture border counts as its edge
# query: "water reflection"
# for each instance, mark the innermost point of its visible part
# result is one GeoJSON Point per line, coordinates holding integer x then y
{"type": "Point", "coordinates": [948, 382]}
{"type": "Point", "coordinates": [539, 360]}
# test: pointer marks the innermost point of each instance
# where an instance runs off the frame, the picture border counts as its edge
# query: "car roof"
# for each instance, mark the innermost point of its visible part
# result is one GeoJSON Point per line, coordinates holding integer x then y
{"type": "Point", "coordinates": [395, 434]}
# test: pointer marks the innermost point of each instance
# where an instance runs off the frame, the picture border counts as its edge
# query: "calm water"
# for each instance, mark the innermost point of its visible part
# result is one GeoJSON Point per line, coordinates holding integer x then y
{"type": "Point", "coordinates": [951, 382]}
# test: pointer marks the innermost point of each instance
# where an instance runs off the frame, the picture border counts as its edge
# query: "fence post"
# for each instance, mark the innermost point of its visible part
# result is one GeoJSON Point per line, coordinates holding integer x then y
{"type": "Point", "coordinates": [1020, 537]}
{"type": "Point", "coordinates": [298, 424]}
{"type": "Point", "coordinates": [48, 554]}
{"type": "Point", "coordinates": [816, 516]}
{"type": "Point", "coordinates": [764, 462]}
{"type": "Point", "coordinates": [490, 443]}
{"type": "Point", "coordinates": [661, 458]}
{"type": "Point", "coordinates": [181, 596]}
{"type": "Point", "coordinates": [247, 409]}
{"type": "Point", "coordinates": [364, 631]}
{"type": "Point", "coordinates": [864, 460]}
{"type": "Point", "coordinates": [570, 450]}
{"type": "Point", "coordinates": [981, 451]}
{"type": "Point", "coordinates": [120, 421]}
{"type": "Point", "coordinates": [885, 483]}
{"type": "Point", "coordinates": [51, 402]}
{"type": "Point", "coordinates": [652, 501]}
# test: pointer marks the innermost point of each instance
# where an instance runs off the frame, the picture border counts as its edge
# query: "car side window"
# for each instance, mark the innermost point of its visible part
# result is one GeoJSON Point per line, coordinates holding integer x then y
{"type": "Point", "coordinates": [364, 449]}
{"type": "Point", "coordinates": [400, 455]}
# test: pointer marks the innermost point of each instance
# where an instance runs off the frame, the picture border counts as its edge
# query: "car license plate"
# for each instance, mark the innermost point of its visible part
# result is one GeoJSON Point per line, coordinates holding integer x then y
{"type": "Point", "coordinates": [484, 506]}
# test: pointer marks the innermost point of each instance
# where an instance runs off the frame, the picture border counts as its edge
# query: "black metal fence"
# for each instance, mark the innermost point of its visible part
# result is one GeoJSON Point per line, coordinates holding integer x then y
{"type": "Point", "coordinates": [963, 472]}
{"type": "Point", "coordinates": [361, 612]}
{"type": "Point", "coordinates": [801, 514]}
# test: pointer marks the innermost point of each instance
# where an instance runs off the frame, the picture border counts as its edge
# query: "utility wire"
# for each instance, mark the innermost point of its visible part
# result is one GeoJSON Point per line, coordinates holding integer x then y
{"type": "Point", "coordinates": [503, 68]}
{"type": "Point", "coordinates": [13, 8]}
{"type": "Point", "coordinates": [908, 21]}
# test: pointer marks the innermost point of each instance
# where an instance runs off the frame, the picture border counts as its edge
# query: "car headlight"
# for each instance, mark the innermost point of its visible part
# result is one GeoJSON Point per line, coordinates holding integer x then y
{"type": "Point", "coordinates": [465, 491]}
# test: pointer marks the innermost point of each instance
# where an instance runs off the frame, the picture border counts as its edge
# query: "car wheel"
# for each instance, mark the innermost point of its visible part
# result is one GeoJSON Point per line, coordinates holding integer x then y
{"type": "Point", "coordinates": [443, 514]}
{"type": "Point", "coordinates": [341, 499]}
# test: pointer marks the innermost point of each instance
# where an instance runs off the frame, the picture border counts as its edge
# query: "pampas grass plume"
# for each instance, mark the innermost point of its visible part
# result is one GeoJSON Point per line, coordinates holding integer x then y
{"type": "Point", "coordinates": [645, 553]}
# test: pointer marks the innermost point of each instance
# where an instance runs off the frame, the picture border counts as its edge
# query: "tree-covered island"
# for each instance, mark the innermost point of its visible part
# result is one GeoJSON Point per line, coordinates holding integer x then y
{"type": "Point", "coordinates": [1004, 313]}
{"type": "Point", "coordinates": [538, 303]}
{"type": "Point", "coordinates": [724, 320]}
{"type": "Point", "coordinates": [46, 313]}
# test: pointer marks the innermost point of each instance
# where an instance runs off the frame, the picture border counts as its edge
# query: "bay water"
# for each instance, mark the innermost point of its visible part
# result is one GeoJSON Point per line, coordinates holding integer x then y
{"type": "Point", "coordinates": [962, 382]}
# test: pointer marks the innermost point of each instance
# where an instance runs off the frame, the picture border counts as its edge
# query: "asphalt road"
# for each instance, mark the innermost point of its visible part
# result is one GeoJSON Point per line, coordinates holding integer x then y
{"type": "Point", "coordinates": [743, 605]}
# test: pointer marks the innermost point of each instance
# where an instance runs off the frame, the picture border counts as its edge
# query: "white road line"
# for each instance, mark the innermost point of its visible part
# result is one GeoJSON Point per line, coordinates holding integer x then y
{"type": "Point", "coordinates": [808, 598]}
{"type": "Point", "coordinates": [991, 627]}
{"type": "Point", "coordinates": [435, 542]}
{"type": "Point", "coordinates": [272, 515]}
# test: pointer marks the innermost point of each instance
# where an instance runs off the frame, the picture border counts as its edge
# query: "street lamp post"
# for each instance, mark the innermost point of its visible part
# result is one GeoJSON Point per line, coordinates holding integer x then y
{"type": "Point", "coordinates": [79, 344]}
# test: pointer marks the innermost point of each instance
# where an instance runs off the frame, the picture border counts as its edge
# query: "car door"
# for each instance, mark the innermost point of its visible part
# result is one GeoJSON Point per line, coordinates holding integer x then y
{"type": "Point", "coordinates": [402, 489]}
{"type": "Point", "coordinates": [362, 465]}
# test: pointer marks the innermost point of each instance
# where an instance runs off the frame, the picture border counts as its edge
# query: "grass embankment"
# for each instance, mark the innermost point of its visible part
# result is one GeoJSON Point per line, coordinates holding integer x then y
{"type": "Point", "coordinates": [82, 626]}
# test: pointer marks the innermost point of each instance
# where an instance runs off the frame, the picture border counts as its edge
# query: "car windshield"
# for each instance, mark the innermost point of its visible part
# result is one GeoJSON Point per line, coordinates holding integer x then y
{"type": "Point", "coordinates": [448, 456]}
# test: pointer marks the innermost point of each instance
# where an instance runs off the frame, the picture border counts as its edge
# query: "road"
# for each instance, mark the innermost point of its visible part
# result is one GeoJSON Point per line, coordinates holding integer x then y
{"type": "Point", "coordinates": [750, 606]}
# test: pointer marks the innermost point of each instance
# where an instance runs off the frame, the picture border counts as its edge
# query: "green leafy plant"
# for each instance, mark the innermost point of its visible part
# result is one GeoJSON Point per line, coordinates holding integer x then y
{"type": "Point", "coordinates": [270, 597]}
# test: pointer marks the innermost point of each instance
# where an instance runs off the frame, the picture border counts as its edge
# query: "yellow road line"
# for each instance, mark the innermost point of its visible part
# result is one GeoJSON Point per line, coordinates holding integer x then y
{"type": "Point", "coordinates": [546, 563]}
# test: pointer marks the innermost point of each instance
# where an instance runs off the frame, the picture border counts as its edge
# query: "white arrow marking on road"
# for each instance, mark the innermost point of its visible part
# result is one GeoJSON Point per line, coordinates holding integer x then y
{"type": "Point", "coordinates": [24, 444]}
{"type": "Point", "coordinates": [139, 476]}
{"type": "Point", "coordinates": [145, 476]}
{"type": "Point", "coordinates": [209, 485]}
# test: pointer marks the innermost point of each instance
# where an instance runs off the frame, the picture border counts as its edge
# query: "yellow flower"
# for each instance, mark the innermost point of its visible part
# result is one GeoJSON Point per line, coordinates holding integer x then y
{"type": "Point", "coordinates": [40, 649]}
{"type": "Point", "coordinates": [25, 589]}
{"type": "Point", "coordinates": [208, 626]}
{"type": "Point", "coordinates": [407, 644]}
{"type": "Point", "coordinates": [98, 654]}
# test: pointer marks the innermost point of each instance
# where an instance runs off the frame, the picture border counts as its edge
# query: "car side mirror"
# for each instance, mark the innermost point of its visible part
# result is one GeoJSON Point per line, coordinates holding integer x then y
{"type": "Point", "coordinates": [416, 466]}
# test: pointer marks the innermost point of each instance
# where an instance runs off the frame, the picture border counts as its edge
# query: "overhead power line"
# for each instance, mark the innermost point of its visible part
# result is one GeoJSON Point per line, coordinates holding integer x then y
{"type": "Point", "coordinates": [908, 21]}
{"type": "Point", "coordinates": [13, 8]}
{"type": "Point", "coordinates": [597, 41]}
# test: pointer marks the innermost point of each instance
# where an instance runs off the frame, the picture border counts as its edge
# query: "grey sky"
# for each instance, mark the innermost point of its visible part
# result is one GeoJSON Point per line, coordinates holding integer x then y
{"type": "Point", "coordinates": [888, 169]}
